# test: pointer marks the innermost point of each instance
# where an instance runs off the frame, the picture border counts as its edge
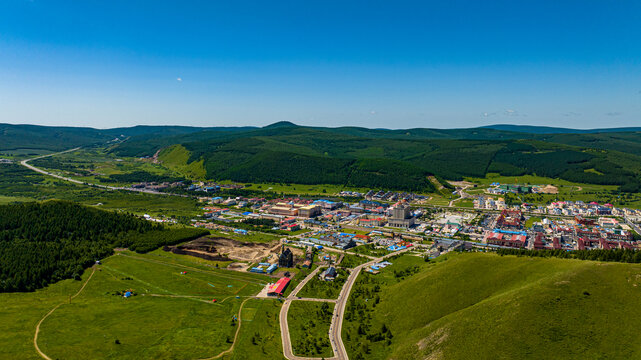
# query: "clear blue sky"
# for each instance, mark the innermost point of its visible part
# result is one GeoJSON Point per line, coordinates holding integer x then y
{"type": "Point", "coordinates": [394, 64]}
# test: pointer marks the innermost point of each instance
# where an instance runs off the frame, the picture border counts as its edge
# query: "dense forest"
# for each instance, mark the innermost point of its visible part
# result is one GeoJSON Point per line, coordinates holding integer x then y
{"type": "Point", "coordinates": [41, 243]}
{"type": "Point", "coordinates": [385, 159]}
{"type": "Point", "coordinates": [371, 158]}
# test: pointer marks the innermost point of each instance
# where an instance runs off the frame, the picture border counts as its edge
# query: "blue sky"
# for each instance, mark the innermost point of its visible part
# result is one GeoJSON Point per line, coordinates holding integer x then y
{"type": "Point", "coordinates": [394, 64]}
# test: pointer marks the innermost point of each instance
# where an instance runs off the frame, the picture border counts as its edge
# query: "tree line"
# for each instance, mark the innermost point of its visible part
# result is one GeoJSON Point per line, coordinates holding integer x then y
{"type": "Point", "coordinates": [42, 243]}
{"type": "Point", "coordinates": [615, 255]}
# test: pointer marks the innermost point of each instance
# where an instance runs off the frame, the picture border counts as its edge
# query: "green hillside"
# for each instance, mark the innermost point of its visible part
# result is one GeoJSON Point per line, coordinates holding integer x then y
{"type": "Point", "coordinates": [360, 157]}
{"type": "Point", "coordinates": [170, 316]}
{"type": "Point", "coordinates": [484, 306]}
{"type": "Point", "coordinates": [393, 159]}
{"type": "Point", "coordinates": [176, 158]}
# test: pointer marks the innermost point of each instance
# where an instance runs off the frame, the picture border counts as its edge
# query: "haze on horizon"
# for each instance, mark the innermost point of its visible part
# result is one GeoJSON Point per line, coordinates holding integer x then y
{"type": "Point", "coordinates": [402, 65]}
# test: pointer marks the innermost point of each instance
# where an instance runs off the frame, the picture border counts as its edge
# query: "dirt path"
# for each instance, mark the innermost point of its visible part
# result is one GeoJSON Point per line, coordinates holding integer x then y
{"type": "Point", "coordinates": [231, 348]}
{"type": "Point", "coordinates": [35, 336]}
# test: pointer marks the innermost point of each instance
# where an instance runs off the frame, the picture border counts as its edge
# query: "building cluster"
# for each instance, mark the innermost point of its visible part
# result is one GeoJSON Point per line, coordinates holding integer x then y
{"type": "Point", "coordinates": [560, 208]}
{"type": "Point", "coordinates": [338, 240]}
{"type": "Point", "coordinates": [198, 187]}
{"type": "Point", "coordinates": [578, 233]}
{"type": "Point", "coordinates": [381, 195]}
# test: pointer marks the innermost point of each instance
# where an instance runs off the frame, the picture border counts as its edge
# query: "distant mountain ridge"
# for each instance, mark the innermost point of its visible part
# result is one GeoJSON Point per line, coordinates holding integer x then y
{"type": "Point", "coordinates": [531, 129]}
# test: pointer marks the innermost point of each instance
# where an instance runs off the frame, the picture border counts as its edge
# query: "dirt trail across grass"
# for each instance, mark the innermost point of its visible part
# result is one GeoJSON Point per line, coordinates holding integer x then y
{"type": "Point", "coordinates": [35, 336]}
{"type": "Point", "coordinates": [231, 348]}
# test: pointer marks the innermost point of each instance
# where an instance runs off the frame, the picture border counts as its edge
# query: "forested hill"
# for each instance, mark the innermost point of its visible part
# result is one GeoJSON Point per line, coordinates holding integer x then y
{"type": "Point", "coordinates": [56, 138]}
{"type": "Point", "coordinates": [373, 158]}
{"type": "Point", "coordinates": [41, 243]}
{"type": "Point", "coordinates": [402, 159]}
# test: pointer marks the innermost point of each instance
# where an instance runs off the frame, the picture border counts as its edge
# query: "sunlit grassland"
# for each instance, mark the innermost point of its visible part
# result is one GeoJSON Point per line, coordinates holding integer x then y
{"type": "Point", "coordinates": [536, 308]}
{"type": "Point", "coordinates": [172, 315]}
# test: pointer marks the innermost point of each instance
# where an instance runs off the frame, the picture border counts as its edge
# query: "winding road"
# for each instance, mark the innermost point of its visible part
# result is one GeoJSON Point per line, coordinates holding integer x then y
{"type": "Point", "coordinates": [26, 164]}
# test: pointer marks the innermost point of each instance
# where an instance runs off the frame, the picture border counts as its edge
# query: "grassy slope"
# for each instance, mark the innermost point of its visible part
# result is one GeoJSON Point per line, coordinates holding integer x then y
{"type": "Point", "coordinates": [153, 327]}
{"type": "Point", "coordinates": [176, 158]}
{"type": "Point", "coordinates": [488, 307]}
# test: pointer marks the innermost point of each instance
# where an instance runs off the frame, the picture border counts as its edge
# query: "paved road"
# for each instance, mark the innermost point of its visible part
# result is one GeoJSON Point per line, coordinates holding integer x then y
{"type": "Point", "coordinates": [335, 328]}
{"type": "Point", "coordinates": [26, 164]}
{"type": "Point", "coordinates": [284, 326]}
{"type": "Point", "coordinates": [462, 193]}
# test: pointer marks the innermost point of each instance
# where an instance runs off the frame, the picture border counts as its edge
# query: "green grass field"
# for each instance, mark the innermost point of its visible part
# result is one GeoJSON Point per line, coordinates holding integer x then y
{"type": "Point", "coordinates": [260, 336]}
{"type": "Point", "coordinates": [309, 328]}
{"type": "Point", "coordinates": [484, 306]}
{"type": "Point", "coordinates": [171, 316]}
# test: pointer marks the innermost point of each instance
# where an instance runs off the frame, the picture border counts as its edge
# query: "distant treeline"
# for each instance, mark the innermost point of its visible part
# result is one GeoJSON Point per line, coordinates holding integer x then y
{"type": "Point", "coordinates": [617, 255]}
{"type": "Point", "coordinates": [41, 243]}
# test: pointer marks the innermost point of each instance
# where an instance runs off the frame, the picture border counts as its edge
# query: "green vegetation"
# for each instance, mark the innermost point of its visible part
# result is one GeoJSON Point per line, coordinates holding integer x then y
{"type": "Point", "coordinates": [531, 220]}
{"type": "Point", "coordinates": [351, 261]}
{"type": "Point", "coordinates": [23, 184]}
{"type": "Point", "coordinates": [260, 335]}
{"type": "Point", "coordinates": [369, 249]}
{"type": "Point", "coordinates": [309, 328]}
{"type": "Point", "coordinates": [41, 243]}
{"type": "Point", "coordinates": [536, 307]}
{"type": "Point", "coordinates": [253, 236]}
{"type": "Point", "coordinates": [617, 255]}
{"type": "Point", "coordinates": [383, 159]}
{"type": "Point", "coordinates": [321, 289]}
{"type": "Point", "coordinates": [176, 158]}
{"type": "Point", "coordinates": [171, 315]}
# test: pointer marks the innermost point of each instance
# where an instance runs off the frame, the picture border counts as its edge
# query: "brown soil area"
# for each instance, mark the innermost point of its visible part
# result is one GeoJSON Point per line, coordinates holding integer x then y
{"type": "Point", "coordinates": [549, 189]}
{"type": "Point", "coordinates": [223, 249]}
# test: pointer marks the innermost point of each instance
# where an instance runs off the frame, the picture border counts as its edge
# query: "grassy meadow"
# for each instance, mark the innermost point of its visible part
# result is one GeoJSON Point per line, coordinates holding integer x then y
{"type": "Point", "coordinates": [483, 306]}
{"type": "Point", "coordinates": [172, 315]}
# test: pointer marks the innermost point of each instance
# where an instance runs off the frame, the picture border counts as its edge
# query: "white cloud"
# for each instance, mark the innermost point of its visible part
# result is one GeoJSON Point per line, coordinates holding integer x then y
{"type": "Point", "coordinates": [179, 79]}
{"type": "Point", "coordinates": [373, 112]}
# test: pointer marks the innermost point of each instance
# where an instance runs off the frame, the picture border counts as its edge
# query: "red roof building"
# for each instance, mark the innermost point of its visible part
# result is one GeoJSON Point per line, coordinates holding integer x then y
{"type": "Point", "coordinates": [279, 287]}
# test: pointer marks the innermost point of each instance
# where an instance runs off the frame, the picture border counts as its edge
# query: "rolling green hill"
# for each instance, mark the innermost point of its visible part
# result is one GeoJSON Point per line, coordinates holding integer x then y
{"type": "Point", "coordinates": [361, 157]}
{"type": "Point", "coordinates": [484, 306]}
{"type": "Point", "coordinates": [396, 159]}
